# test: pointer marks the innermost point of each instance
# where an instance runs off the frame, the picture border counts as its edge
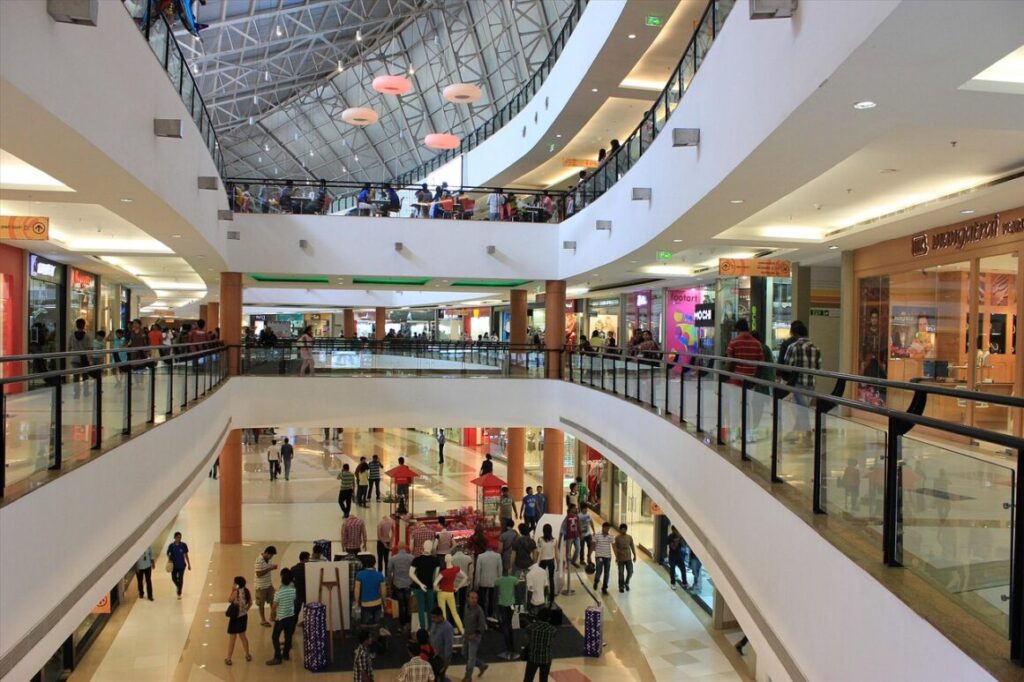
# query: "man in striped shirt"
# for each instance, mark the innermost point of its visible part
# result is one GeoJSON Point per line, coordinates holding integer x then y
{"type": "Point", "coordinates": [603, 556]}
{"type": "Point", "coordinates": [744, 347]}
{"type": "Point", "coordinates": [375, 471]}
{"type": "Point", "coordinates": [348, 488]}
{"type": "Point", "coordinates": [802, 354]}
{"type": "Point", "coordinates": [283, 615]}
{"type": "Point", "coordinates": [420, 534]}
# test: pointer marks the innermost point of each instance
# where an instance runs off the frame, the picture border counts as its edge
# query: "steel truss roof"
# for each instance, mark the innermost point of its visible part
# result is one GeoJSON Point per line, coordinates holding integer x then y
{"type": "Point", "coordinates": [268, 72]}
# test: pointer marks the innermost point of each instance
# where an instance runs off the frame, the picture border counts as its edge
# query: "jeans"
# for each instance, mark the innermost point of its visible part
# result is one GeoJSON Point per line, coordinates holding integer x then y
{"type": "Point", "coordinates": [284, 626]}
{"type": "Point", "coordinates": [368, 615]}
{"type": "Point", "coordinates": [550, 565]}
{"type": "Point", "coordinates": [272, 463]}
{"type": "Point", "coordinates": [572, 548]}
{"type": "Point", "coordinates": [604, 567]}
{"type": "Point", "coordinates": [345, 501]}
{"type": "Point", "coordinates": [287, 468]}
{"type": "Point", "coordinates": [178, 578]}
{"type": "Point", "coordinates": [492, 216]}
{"type": "Point", "coordinates": [374, 483]}
{"type": "Point", "coordinates": [695, 566]}
{"type": "Point", "coordinates": [803, 419]}
{"type": "Point", "coordinates": [401, 595]}
{"type": "Point", "coordinates": [148, 574]}
{"type": "Point", "coordinates": [361, 495]}
{"type": "Point", "coordinates": [505, 618]}
{"type": "Point", "coordinates": [440, 453]}
{"type": "Point", "coordinates": [383, 554]}
{"type": "Point", "coordinates": [446, 600]}
{"type": "Point", "coordinates": [625, 573]}
{"type": "Point", "coordinates": [532, 668]}
{"type": "Point", "coordinates": [676, 561]}
{"type": "Point", "coordinates": [531, 522]}
{"type": "Point", "coordinates": [472, 647]}
{"type": "Point", "coordinates": [425, 602]}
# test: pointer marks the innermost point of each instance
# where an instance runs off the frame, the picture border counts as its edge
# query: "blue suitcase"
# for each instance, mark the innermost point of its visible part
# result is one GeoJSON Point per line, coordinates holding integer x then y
{"type": "Point", "coordinates": [593, 630]}
{"type": "Point", "coordinates": [314, 638]}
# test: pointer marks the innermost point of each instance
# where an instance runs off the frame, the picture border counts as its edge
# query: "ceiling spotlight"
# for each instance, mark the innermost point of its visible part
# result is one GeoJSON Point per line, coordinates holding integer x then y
{"type": "Point", "coordinates": [252, 120]}
{"type": "Point", "coordinates": [631, 36]}
{"type": "Point", "coordinates": [359, 36]}
{"type": "Point", "coordinates": [176, 236]}
{"type": "Point", "coordinates": [677, 241]}
{"type": "Point", "coordinates": [411, 71]}
{"type": "Point", "coordinates": [128, 200]}
{"type": "Point", "coordinates": [558, 135]}
{"type": "Point", "coordinates": [593, 89]}
{"type": "Point", "coordinates": [278, 31]}
{"type": "Point", "coordinates": [834, 247]}
{"type": "Point", "coordinates": [966, 211]}
{"type": "Point", "coordinates": [736, 201]}
{"type": "Point", "coordinates": [266, 75]}
{"type": "Point", "coordinates": [356, 157]}
{"type": "Point", "coordinates": [340, 67]}
{"type": "Point", "coordinates": [864, 104]}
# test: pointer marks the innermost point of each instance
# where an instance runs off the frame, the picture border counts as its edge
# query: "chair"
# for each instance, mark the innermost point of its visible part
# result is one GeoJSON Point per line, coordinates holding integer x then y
{"type": "Point", "coordinates": [468, 208]}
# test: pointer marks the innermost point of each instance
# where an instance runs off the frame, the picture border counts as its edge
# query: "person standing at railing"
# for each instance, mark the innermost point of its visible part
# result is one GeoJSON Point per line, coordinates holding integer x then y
{"type": "Point", "coordinates": [285, 200]}
{"type": "Point", "coordinates": [423, 201]}
{"type": "Point", "coordinates": [99, 344]}
{"type": "Point", "coordinates": [743, 347]}
{"type": "Point", "coordinates": [495, 200]}
{"type": "Point", "coordinates": [306, 352]}
{"type": "Point", "coordinates": [803, 354]}
{"type": "Point", "coordinates": [80, 342]}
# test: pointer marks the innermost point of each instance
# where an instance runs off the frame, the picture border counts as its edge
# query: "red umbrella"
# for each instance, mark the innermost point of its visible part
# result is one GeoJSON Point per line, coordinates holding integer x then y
{"type": "Point", "coordinates": [402, 474]}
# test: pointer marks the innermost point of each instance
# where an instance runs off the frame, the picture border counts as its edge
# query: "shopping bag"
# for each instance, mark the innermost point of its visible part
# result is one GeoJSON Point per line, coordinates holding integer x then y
{"type": "Point", "coordinates": [391, 608]}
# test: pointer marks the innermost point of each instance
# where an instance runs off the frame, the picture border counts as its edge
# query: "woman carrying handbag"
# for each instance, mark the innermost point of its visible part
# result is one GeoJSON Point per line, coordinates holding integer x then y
{"type": "Point", "coordinates": [239, 603]}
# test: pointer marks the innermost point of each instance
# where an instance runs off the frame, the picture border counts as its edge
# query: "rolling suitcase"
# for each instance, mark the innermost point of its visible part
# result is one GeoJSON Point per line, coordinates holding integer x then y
{"type": "Point", "coordinates": [592, 631]}
{"type": "Point", "coordinates": [314, 638]}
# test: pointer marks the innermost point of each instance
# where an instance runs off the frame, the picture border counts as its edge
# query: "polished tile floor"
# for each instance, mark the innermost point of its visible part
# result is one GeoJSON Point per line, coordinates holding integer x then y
{"type": "Point", "coordinates": [651, 633]}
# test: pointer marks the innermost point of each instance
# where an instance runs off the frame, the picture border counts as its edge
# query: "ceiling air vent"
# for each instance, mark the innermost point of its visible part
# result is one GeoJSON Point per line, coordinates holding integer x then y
{"type": "Point", "coordinates": [766, 252]}
{"type": "Point", "coordinates": [235, 234]}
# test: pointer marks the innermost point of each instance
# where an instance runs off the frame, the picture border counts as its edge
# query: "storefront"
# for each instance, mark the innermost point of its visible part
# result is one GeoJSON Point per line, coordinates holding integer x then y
{"type": "Point", "coordinates": [759, 291]}
{"type": "Point", "coordinates": [689, 327]}
{"type": "Point", "coordinates": [12, 303]}
{"type": "Point", "coordinates": [641, 314]}
{"type": "Point", "coordinates": [46, 309]}
{"type": "Point", "coordinates": [454, 324]}
{"type": "Point", "coordinates": [573, 320]}
{"type": "Point", "coordinates": [320, 322]}
{"type": "Point", "coordinates": [113, 307]}
{"type": "Point", "coordinates": [496, 441]}
{"type": "Point", "coordinates": [411, 322]}
{"type": "Point", "coordinates": [603, 316]}
{"type": "Point", "coordinates": [942, 307]}
{"type": "Point", "coordinates": [82, 299]}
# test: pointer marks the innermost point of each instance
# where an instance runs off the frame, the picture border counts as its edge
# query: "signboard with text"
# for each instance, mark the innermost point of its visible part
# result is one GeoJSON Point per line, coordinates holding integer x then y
{"type": "Point", "coordinates": [753, 267]}
{"type": "Point", "coordinates": [579, 163]}
{"type": "Point", "coordinates": [35, 228]}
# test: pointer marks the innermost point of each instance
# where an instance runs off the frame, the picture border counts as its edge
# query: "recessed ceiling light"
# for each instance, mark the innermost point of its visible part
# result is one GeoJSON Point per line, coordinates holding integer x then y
{"type": "Point", "coordinates": [833, 248]}
{"type": "Point", "coordinates": [126, 200]}
{"type": "Point", "coordinates": [596, 274]}
{"type": "Point", "coordinates": [677, 241]}
{"type": "Point", "coordinates": [631, 36]}
{"type": "Point", "coordinates": [593, 89]}
{"type": "Point", "coordinates": [889, 171]}
{"type": "Point", "coordinates": [558, 135]}
{"type": "Point", "coordinates": [736, 201]}
{"type": "Point", "coordinates": [864, 104]}
{"type": "Point", "coordinates": [634, 261]}
{"type": "Point", "coordinates": [967, 211]}
{"type": "Point", "coordinates": [176, 236]}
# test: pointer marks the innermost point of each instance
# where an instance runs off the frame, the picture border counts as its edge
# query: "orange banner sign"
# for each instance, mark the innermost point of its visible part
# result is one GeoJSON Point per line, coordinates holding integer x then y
{"type": "Point", "coordinates": [751, 267]}
{"type": "Point", "coordinates": [103, 606]}
{"type": "Point", "coordinates": [24, 227]}
{"type": "Point", "coordinates": [579, 163]}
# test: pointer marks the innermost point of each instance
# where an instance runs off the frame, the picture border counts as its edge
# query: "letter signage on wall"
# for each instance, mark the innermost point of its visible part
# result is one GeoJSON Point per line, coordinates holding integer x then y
{"type": "Point", "coordinates": [704, 315]}
{"type": "Point", "coordinates": [960, 236]}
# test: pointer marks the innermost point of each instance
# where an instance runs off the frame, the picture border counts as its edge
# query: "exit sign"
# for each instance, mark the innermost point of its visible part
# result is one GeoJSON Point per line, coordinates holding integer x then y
{"type": "Point", "coordinates": [664, 255]}
{"type": "Point", "coordinates": [654, 20]}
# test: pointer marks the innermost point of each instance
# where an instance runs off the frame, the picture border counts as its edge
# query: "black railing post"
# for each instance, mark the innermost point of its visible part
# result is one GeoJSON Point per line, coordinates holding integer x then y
{"type": "Point", "coordinates": [98, 424]}
{"type": "Point", "coordinates": [58, 424]}
{"type": "Point", "coordinates": [699, 400]}
{"type": "Point", "coordinates": [126, 427]}
{"type": "Point", "coordinates": [152, 394]}
{"type": "Point", "coordinates": [652, 386]}
{"type": "Point", "coordinates": [818, 495]}
{"type": "Point", "coordinates": [615, 376]}
{"type": "Point", "coordinates": [1017, 561]}
{"type": "Point", "coordinates": [3, 439]}
{"type": "Point", "coordinates": [170, 384]}
{"type": "Point", "coordinates": [184, 385]}
{"type": "Point", "coordinates": [891, 497]}
{"type": "Point", "coordinates": [718, 426]}
{"type": "Point", "coordinates": [638, 381]}
{"type": "Point", "coordinates": [743, 421]}
{"type": "Point", "coordinates": [682, 392]}
{"type": "Point", "coordinates": [775, 436]}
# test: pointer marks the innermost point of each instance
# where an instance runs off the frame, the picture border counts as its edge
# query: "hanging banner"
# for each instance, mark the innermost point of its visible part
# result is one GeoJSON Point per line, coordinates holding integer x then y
{"type": "Point", "coordinates": [752, 267]}
{"type": "Point", "coordinates": [35, 228]}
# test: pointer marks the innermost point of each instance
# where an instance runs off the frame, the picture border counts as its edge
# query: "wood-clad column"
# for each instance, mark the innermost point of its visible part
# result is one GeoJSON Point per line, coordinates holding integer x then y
{"type": "Point", "coordinates": [231, 489]}
{"type": "Point", "coordinates": [554, 329]}
{"type": "Point", "coordinates": [350, 323]}
{"type": "Point", "coordinates": [212, 315]}
{"type": "Point", "coordinates": [231, 316]}
{"type": "Point", "coordinates": [516, 448]}
{"type": "Point", "coordinates": [381, 321]}
{"type": "Point", "coordinates": [554, 448]}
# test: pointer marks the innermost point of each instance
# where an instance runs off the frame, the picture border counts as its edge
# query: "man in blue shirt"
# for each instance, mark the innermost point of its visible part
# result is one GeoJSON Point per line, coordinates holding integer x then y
{"type": "Point", "coordinates": [442, 637]}
{"type": "Point", "coordinates": [530, 509]}
{"type": "Point", "coordinates": [177, 554]}
{"type": "Point", "coordinates": [369, 592]}
{"type": "Point", "coordinates": [363, 200]}
{"type": "Point", "coordinates": [542, 501]}
{"type": "Point", "coordinates": [394, 202]}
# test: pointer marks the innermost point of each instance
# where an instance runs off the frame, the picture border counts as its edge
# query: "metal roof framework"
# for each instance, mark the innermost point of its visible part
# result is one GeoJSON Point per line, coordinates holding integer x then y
{"type": "Point", "coordinates": [269, 73]}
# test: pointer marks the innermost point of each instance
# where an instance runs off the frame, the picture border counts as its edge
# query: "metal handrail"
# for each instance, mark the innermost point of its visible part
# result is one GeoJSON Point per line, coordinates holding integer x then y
{"type": "Point", "coordinates": [97, 351]}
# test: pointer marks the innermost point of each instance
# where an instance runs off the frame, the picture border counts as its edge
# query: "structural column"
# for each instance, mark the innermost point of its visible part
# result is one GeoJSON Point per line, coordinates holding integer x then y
{"type": "Point", "coordinates": [231, 316]}
{"type": "Point", "coordinates": [554, 329]}
{"type": "Point", "coordinates": [203, 311]}
{"type": "Point", "coordinates": [212, 315]}
{"type": "Point", "coordinates": [350, 323]}
{"type": "Point", "coordinates": [381, 321]}
{"type": "Point", "coordinates": [554, 451]}
{"type": "Point", "coordinates": [231, 489]}
{"type": "Point", "coordinates": [516, 448]}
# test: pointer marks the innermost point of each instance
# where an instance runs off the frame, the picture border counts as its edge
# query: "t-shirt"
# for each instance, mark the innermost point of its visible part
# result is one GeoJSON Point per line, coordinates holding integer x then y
{"type": "Point", "coordinates": [363, 477]}
{"type": "Point", "coordinates": [623, 546]}
{"type": "Point", "coordinates": [348, 480]}
{"type": "Point", "coordinates": [506, 507]}
{"type": "Point", "coordinates": [176, 553]}
{"type": "Point", "coordinates": [507, 538]}
{"type": "Point", "coordinates": [266, 580]}
{"type": "Point", "coordinates": [273, 453]}
{"type": "Point", "coordinates": [584, 493]}
{"type": "Point", "coordinates": [523, 547]}
{"type": "Point", "coordinates": [287, 451]}
{"type": "Point", "coordinates": [488, 568]}
{"type": "Point", "coordinates": [586, 525]}
{"type": "Point", "coordinates": [547, 549]}
{"type": "Point", "coordinates": [542, 503]}
{"type": "Point", "coordinates": [571, 527]}
{"type": "Point", "coordinates": [444, 542]}
{"type": "Point", "coordinates": [530, 507]}
{"type": "Point", "coordinates": [448, 576]}
{"type": "Point", "coordinates": [370, 580]}
{"type": "Point", "coordinates": [398, 567]}
{"type": "Point", "coordinates": [506, 585]}
{"type": "Point", "coordinates": [603, 546]}
{"type": "Point", "coordinates": [425, 565]}
{"type": "Point", "coordinates": [375, 468]}
{"type": "Point", "coordinates": [536, 581]}
{"type": "Point", "coordinates": [284, 598]}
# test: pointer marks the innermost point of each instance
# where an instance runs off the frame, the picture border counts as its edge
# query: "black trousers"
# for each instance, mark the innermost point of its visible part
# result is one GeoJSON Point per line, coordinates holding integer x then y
{"type": "Point", "coordinates": [345, 501]}
{"type": "Point", "coordinates": [383, 554]}
{"type": "Point", "coordinates": [146, 573]}
{"type": "Point", "coordinates": [374, 483]}
{"type": "Point", "coordinates": [285, 626]}
{"type": "Point", "coordinates": [532, 668]}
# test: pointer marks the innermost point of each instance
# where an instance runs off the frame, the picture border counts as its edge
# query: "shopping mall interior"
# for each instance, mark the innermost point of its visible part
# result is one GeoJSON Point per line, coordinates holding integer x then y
{"type": "Point", "coordinates": [685, 332]}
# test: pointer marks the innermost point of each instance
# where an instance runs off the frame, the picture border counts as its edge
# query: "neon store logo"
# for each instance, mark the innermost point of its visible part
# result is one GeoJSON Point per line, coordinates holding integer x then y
{"type": "Point", "coordinates": [960, 237]}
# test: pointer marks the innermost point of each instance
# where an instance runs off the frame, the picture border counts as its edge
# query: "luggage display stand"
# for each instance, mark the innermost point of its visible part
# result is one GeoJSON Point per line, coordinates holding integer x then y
{"type": "Point", "coordinates": [316, 639]}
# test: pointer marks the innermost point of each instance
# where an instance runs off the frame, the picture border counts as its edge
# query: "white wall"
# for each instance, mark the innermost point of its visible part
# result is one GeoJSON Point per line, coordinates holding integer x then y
{"type": "Point", "coordinates": [783, 581]}
{"type": "Point", "coordinates": [366, 246]}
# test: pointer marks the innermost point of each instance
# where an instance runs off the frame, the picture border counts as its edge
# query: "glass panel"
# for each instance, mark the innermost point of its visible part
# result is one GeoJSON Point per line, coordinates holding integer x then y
{"type": "Point", "coordinates": [759, 425]}
{"type": "Point", "coordinates": [140, 397]}
{"type": "Point", "coordinates": [995, 363]}
{"type": "Point", "coordinates": [722, 9]}
{"type": "Point", "coordinates": [796, 443]}
{"type": "Point", "coordinates": [675, 92]}
{"type": "Point", "coordinates": [158, 41]}
{"type": "Point", "coordinates": [659, 114]}
{"type": "Point", "coordinates": [954, 524]}
{"type": "Point", "coordinates": [29, 425]}
{"type": "Point", "coordinates": [174, 67]}
{"type": "Point", "coordinates": [687, 69]}
{"type": "Point", "coordinates": [853, 478]}
{"type": "Point", "coordinates": [78, 416]}
{"type": "Point", "coordinates": [186, 91]}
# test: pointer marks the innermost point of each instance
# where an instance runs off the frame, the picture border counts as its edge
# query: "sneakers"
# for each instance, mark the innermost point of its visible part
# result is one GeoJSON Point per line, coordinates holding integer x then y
{"type": "Point", "coordinates": [483, 670]}
{"type": "Point", "coordinates": [274, 661]}
{"type": "Point", "coordinates": [673, 586]}
{"type": "Point", "coordinates": [627, 587]}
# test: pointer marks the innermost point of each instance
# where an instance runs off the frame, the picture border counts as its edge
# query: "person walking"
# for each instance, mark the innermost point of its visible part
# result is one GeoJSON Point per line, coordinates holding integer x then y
{"type": "Point", "coordinates": [283, 614]}
{"type": "Point", "coordinates": [385, 538]}
{"type": "Point", "coordinates": [273, 459]}
{"type": "Point", "coordinates": [81, 343]}
{"type": "Point", "coordinates": [547, 547]}
{"type": "Point", "coordinates": [370, 592]}
{"type": "Point", "coordinates": [400, 583]}
{"type": "Point", "coordinates": [144, 571]}
{"type": "Point", "coordinates": [362, 482]}
{"type": "Point", "coordinates": [442, 638]}
{"type": "Point", "coordinates": [676, 558]}
{"type": "Point", "coordinates": [440, 446]}
{"type": "Point", "coordinates": [348, 488]}
{"type": "Point", "coordinates": [506, 507]}
{"type": "Point", "coordinates": [353, 535]}
{"type": "Point", "coordinates": [529, 509]}
{"type": "Point", "coordinates": [287, 452]}
{"type": "Point", "coordinates": [362, 660]}
{"type": "Point", "coordinates": [474, 622]}
{"type": "Point", "coordinates": [570, 535]}
{"type": "Point", "coordinates": [625, 555]}
{"type": "Point", "coordinates": [523, 547]}
{"type": "Point", "coordinates": [487, 466]}
{"type": "Point", "coordinates": [375, 469]}
{"type": "Point", "coordinates": [802, 354]}
{"type": "Point", "coordinates": [542, 501]}
{"type": "Point", "coordinates": [177, 555]}
{"type": "Point", "coordinates": [264, 582]}
{"type": "Point", "coordinates": [540, 636]}
{"type": "Point", "coordinates": [586, 532]}
{"type": "Point", "coordinates": [603, 556]}
{"type": "Point", "coordinates": [306, 352]}
{"type": "Point", "coordinates": [239, 603]}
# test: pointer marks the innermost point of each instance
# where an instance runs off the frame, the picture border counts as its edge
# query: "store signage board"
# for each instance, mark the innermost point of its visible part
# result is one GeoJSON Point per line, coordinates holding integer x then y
{"type": "Point", "coordinates": [103, 606]}
{"type": "Point", "coordinates": [824, 312]}
{"type": "Point", "coordinates": [704, 315]}
{"type": "Point", "coordinates": [664, 255]}
{"type": "Point", "coordinates": [33, 228]}
{"type": "Point", "coordinates": [41, 268]}
{"type": "Point", "coordinates": [579, 163]}
{"type": "Point", "coordinates": [604, 303]}
{"type": "Point", "coordinates": [752, 267]}
{"type": "Point", "coordinates": [960, 236]}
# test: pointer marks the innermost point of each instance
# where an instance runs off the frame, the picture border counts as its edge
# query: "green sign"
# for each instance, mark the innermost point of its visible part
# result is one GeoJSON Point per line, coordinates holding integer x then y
{"type": "Point", "coordinates": [551, 147]}
{"type": "Point", "coordinates": [664, 255]}
{"type": "Point", "coordinates": [654, 20]}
